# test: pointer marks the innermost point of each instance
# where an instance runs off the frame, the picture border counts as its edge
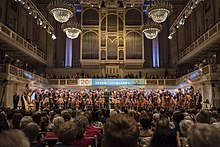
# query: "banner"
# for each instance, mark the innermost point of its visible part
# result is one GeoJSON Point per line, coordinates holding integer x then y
{"type": "Point", "coordinates": [117, 82]}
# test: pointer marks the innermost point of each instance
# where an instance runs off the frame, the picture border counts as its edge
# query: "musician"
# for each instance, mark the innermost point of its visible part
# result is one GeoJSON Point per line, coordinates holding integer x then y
{"type": "Point", "coordinates": [51, 98]}
{"type": "Point", "coordinates": [38, 98]}
{"type": "Point", "coordinates": [15, 100]}
{"type": "Point", "coordinates": [198, 100]}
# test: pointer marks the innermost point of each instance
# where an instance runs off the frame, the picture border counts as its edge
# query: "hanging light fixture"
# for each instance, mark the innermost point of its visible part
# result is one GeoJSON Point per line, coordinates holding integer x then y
{"type": "Point", "coordinates": [72, 29]}
{"type": "Point", "coordinates": [159, 11]}
{"type": "Point", "coordinates": [151, 29]}
{"type": "Point", "coordinates": [61, 10]}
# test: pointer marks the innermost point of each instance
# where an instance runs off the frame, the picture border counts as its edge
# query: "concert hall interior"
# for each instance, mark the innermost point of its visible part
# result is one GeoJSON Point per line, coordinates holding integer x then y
{"type": "Point", "coordinates": [116, 55]}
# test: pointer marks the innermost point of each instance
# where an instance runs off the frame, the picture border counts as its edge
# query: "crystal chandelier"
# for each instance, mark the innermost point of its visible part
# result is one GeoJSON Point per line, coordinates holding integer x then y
{"type": "Point", "coordinates": [159, 11]}
{"type": "Point", "coordinates": [61, 10]}
{"type": "Point", "coordinates": [151, 29]}
{"type": "Point", "coordinates": [72, 29]}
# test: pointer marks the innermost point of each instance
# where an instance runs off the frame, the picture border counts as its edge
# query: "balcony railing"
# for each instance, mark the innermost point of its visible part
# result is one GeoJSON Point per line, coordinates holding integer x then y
{"type": "Point", "coordinates": [18, 74]}
{"type": "Point", "coordinates": [15, 73]}
{"type": "Point", "coordinates": [214, 31]}
{"type": "Point", "coordinates": [208, 70]}
{"type": "Point", "coordinates": [28, 47]}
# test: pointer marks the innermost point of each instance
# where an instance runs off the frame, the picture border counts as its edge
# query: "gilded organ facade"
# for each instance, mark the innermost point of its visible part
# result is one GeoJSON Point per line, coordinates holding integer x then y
{"type": "Point", "coordinates": [112, 37]}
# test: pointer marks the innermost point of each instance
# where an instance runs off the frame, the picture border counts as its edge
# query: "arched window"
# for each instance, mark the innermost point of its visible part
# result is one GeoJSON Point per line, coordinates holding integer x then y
{"type": "Point", "coordinates": [90, 17]}
{"type": "Point", "coordinates": [133, 17]}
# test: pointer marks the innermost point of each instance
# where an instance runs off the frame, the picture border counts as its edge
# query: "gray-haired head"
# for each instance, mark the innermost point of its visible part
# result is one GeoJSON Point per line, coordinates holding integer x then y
{"type": "Point", "coordinates": [82, 123]}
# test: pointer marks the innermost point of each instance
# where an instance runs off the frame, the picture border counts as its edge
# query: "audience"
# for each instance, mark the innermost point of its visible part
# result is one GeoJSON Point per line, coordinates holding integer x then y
{"type": "Point", "coordinates": [151, 127]}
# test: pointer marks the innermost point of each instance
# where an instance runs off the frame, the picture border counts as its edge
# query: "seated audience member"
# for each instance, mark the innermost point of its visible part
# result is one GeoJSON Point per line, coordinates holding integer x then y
{"type": "Point", "coordinates": [204, 116]}
{"type": "Point", "coordinates": [177, 118]}
{"type": "Point", "coordinates": [81, 141]}
{"type": "Point", "coordinates": [185, 126]}
{"type": "Point", "coordinates": [57, 121]}
{"type": "Point", "coordinates": [90, 130]}
{"type": "Point", "coordinates": [16, 119]}
{"type": "Point", "coordinates": [32, 131]}
{"type": "Point", "coordinates": [66, 115]}
{"type": "Point", "coordinates": [121, 130]}
{"type": "Point", "coordinates": [163, 137]}
{"type": "Point", "coordinates": [24, 121]}
{"type": "Point", "coordinates": [145, 133]}
{"type": "Point", "coordinates": [66, 134]}
{"type": "Point", "coordinates": [204, 135]}
{"type": "Point", "coordinates": [95, 120]}
{"type": "Point", "coordinates": [13, 138]}
{"type": "Point", "coordinates": [3, 122]}
{"type": "Point", "coordinates": [145, 122]}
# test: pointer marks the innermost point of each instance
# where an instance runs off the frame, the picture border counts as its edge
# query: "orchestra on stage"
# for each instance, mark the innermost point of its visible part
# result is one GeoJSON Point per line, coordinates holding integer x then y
{"type": "Point", "coordinates": [39, 99]}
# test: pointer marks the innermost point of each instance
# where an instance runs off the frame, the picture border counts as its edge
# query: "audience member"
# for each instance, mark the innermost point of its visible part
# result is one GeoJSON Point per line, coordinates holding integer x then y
{"type": "Point", "coordinates": [32, 132]}
{"type": "Point", "coordinates": [13, 138]}
{"type": "Point", "coordinates": [121, 130]}
{"type": "Point", "coordinates": [204, 116]}
{"type": "Point", "coordinates": [57, 122]}
{"type": "Point", "coordinates": [82, 124]}
{"type": "Point", "coordinates": [163, 137]}
{"type": "Point", "coordinates": [204, 135]}
{"type": "Point", "coordinates": [66, 134]}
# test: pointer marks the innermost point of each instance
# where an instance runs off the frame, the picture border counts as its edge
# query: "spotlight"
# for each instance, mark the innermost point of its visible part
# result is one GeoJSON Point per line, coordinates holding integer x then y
{"type": "Point", "coordinates": [53, 36]}
{"type": "Point", "coordinates": [182, 21]}
{"type": "Point", "coordinates": [40, 22]}
{"type": "Point", "coordinates": [44, 25]}
{"type": "Point", "coordinates": [35, 15]}
{"type": "Point", "coordinates": [30, 12]}
{"type": "Point", "coordinates": [170, 37]}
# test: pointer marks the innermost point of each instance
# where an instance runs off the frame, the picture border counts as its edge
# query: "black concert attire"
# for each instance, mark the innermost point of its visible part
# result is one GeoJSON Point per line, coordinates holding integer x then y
{"type": "Point", "coordinates": [15, 100]}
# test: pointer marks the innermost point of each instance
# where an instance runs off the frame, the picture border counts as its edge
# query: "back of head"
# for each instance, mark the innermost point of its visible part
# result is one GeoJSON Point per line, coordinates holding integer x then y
{"type": "Point", "coordinates": [57, 121]}
{"type": "Point", "coordinates": [67, 132]}
{"type": "Point", "coordinates": [13, 138]}
{"type": "Point", "coordinates": [82, 123]}
{"type": "Point", "coordinates": [185, 125]}
{"type": "Point", "coordinates": [25, 120]}
{"type": "Point", "coordinates": [66, 115]}
{"type": "Point", "coordinates": [204, 135]}
{"type": "Point", "coordinates": [3, 122]}
{"type": "Point", "coordinates": [16, 120]}
{"type": "Point", "coordinates": [121, 130]}
{"type": "Point", "coordinates": [203, 116]}
{"type": "Point", "coordinates": [145, 122]}
{"type": "Point", "coordinates": [163, 137]}
{"type": "Point", "coordinates": [178, 117]}
{"type": "Point", "coordinates": [32, 131]}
